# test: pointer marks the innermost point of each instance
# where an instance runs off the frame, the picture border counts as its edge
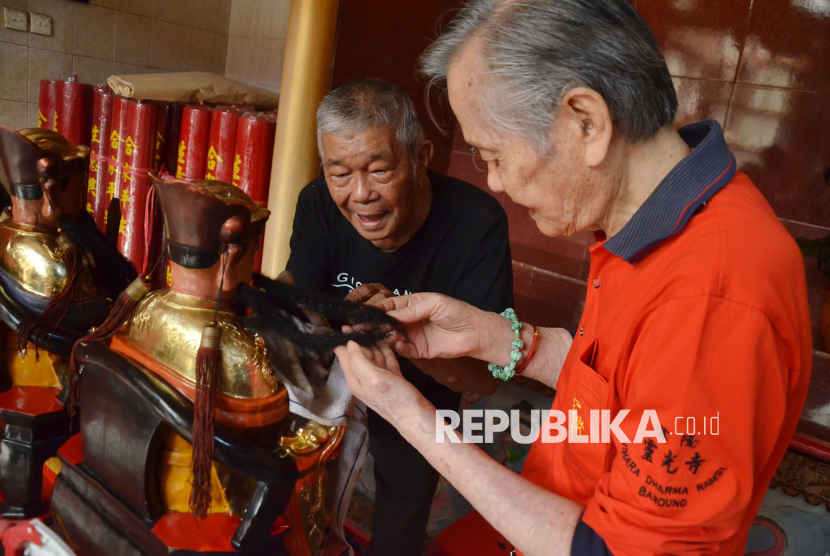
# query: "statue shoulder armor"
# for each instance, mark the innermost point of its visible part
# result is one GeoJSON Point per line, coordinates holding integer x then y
{"type": "Point", "coordinates": [32, 258]}
{"type": "Point", "coordinates": [167, 327]}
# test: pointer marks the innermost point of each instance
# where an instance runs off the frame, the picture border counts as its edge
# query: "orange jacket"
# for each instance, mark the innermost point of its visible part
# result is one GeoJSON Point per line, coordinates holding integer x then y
{"type": "Point", "coordinates": [711, 323]}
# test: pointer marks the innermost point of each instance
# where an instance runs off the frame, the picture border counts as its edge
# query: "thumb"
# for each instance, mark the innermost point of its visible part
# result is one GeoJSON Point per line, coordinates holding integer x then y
{"type": "Point", "coordinates": [407, 350]}
{"type": "Point", "coordinates": [412, 308]}
{"type": "Point", "coordinates": [346, 353]}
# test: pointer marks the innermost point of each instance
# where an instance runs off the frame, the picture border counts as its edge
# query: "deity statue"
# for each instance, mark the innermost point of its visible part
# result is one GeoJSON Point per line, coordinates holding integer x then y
{"type": "Point", "coordinates": [186, 441]}
{"type": "Point", "coordinates": [50, 294]}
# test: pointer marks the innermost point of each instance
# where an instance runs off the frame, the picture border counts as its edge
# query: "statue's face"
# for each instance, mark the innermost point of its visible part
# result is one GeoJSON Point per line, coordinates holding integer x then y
{"type": "Point", "coordinates": [73, 199]}
{"type": "Point", "coordinates": [204, 282]}
{"type": "Point", "coordinates": [68, 198]}
{"type": "Point", "coordinates": [240, 266]}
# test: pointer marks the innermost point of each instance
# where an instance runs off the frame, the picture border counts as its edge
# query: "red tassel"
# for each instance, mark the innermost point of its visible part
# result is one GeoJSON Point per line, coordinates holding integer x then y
{"type": "Point", "coordinates": [35, 326]}
{"type": "Point", "coordinates": [208, 365]}
{"type": "Point", "coordinates": [121, 311]}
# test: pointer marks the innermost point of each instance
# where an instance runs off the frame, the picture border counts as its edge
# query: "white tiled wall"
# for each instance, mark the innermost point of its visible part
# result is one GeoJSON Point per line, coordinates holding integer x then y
{"type": "Point", "coordinates": [108, 37]}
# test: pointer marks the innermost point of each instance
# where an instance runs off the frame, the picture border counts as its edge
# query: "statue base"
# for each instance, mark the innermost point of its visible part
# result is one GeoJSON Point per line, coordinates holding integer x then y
{"type": "Point", "coordinates": [35, 425]}
{"type": "Point", "coordinates": [95, 521]}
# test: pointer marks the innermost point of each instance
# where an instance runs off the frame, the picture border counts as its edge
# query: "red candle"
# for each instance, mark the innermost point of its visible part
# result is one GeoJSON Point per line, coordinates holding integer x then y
{"type": "Point", "coordinates": [252, 162]}
{"type": "Point", "coordinates": [98, 165]}
{"type": "Point", "coordinates": [73, 111]}
{"type": "Point", "coordinates": [140, 153]}
{"type": "Point", "coordinates": [191, 162]}
{"type": "Point", "coordinates": [254, 151]}
{"type": "Point", "coordinates": [222, 146]}
{"type": "Point", "coordinates": [46, 104]}
{"type": "Point", "coordinates": [116, 156]}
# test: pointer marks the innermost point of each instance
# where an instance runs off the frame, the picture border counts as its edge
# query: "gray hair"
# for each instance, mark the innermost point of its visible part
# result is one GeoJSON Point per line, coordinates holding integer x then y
{"type": "Point", "coordinates": [535, 51]}
{"type": "Point", "coordinates": [369, 104]}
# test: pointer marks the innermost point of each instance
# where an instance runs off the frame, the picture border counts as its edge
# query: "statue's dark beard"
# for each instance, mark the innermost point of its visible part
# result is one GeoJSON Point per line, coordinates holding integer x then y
{"type": "Point", "coordinates": [276, 303]}
{"type": "Point", "coordinates": [115, 272]}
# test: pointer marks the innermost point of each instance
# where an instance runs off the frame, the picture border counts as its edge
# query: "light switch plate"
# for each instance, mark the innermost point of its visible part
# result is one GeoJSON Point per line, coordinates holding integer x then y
{"type": "Point", "coordinates": [41, 24]}
{"type": "Point", "coordinates": [14, 19]}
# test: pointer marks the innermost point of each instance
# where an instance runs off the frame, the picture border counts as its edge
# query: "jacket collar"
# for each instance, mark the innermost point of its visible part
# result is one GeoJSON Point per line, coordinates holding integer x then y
{"type": "Point", "coordinates": [689, 185]}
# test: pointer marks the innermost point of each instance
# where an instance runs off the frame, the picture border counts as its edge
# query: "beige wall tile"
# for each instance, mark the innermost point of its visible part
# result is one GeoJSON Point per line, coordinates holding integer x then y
{"type": "Point", "coordinates": [14, 115]}
{"type": "Point", "coordinates": [45, 64]}
{"type": "Point", "coordinates": [129, 69]}
{"type": "Point", "coordinates": [220, 55]}
{"type": "Point", "coordinates": [271, 53]}
{"type": "Point", "coordinates": [168, 48]}
{"type": "Point", "coordinates": [266, 19]}
{"type": "Point", "coordinates": [10, 35]}
{"type": "Point", "coordinates": [224, 23]}
{"type": "Point", "coordinates": [63, 25]}
{"type": "Point", "coordinates": [105, 3]}
{"type": "Point", "coordinates": [200, 50]}
{"type": "Point", "coordinates": [137, 7]}
{"type": "Point", "coordinates": [91, 70]}
{"type": "Point", "coordinates": [94, 32]}
{"type": "Point", "coordinates": [238, 65]}
{"type": "Point", "coordinates": [171, 11]}
{"type": "Point", "coordinates": [255, 61]}
{"type": "Point", "coordinates": [273, 20]}
{"type": "Point", "coordinates": [243, 18]}
{"type": "Point", "coordinates": [132, 39]}
{"type": "Point", "coordinates": [14, 72]}
{"type": "Point", "coordinates": [203, 14]}
{"type": "Point", "coordinates": [32, 118]}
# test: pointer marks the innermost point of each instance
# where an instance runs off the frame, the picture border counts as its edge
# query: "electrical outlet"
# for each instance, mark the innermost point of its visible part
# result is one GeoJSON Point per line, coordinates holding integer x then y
{"type": "Point", "coordinates": [14, 19]}
{"type": "Point", "coordinates": [41, 24]}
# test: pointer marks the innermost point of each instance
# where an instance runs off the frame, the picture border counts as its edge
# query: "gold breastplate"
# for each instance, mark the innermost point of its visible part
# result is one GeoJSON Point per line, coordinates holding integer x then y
{"type": "Point", "coordinates": [167, 326]}
{"type": "Point", "coordinates": [31, 256]}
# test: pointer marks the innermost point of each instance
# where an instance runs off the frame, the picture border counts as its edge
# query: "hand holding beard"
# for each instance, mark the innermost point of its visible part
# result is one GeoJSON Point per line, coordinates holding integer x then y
{"type": "Point", "coordinates": [369, 294]}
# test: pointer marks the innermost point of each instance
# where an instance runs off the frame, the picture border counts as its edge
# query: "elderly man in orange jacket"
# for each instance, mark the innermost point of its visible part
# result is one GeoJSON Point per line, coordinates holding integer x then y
{"type": "Point", "coordinates": [696, 312]}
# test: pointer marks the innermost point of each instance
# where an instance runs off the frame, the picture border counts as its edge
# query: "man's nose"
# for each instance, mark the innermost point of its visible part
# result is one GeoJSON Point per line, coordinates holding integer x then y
{"type": "Point", "coordinates": [493, 181]}
{"type": "Point", "coordinates": [362, 192]}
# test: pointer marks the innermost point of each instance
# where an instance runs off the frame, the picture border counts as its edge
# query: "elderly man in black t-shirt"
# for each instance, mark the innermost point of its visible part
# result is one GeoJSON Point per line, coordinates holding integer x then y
{"type": "Point", "coordinates": [381, 224]}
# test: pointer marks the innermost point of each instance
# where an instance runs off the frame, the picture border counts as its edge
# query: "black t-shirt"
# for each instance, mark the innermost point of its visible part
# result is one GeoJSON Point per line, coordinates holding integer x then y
{"type": "Point", "coordinates": [462, 250]}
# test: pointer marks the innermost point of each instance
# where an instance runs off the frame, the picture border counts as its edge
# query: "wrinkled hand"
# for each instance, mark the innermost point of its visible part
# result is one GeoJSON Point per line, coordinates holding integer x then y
{"type": "Point", "coordinates": [370, 294]}
{"type": "Point", "coordinates": [373, 376]}
{"type": "Point", "coordinates": [438, 326]}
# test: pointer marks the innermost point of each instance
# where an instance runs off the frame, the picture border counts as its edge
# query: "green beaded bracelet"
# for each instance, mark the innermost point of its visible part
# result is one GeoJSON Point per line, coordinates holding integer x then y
{"type": "Point", "coordinates": [508, 372]}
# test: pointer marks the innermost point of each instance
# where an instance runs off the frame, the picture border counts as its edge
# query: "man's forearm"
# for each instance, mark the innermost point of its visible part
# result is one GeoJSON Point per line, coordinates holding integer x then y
{"type": "Point", "coordinates": [542, 524]}
{"type": "Point", "coordinates": [552, 348]}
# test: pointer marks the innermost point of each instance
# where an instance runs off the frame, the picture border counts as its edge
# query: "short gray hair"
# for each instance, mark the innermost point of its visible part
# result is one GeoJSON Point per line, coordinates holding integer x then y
{"type": "Point", "coordinates": [535, 51]}
{"type": "Point", "coordinates": [369, 104]}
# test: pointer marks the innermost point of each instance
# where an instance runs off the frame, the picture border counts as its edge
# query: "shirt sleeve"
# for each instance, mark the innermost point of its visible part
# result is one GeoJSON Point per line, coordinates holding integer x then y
{"type": "Point", "coordinates": [309, 261]}
{"type": "Point", "coordinates": [716, 375]}
{"type": "Point", "coordinates": [487, 283]}
{"type": "Point", "coordinates": [586, 542]}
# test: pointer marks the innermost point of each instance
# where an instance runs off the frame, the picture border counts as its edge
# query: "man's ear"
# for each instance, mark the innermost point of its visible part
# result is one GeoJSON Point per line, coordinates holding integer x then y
{"type": "Point", "coordinates": [424, 155]}
{"type": "Point", "coordinates": [589, 122]}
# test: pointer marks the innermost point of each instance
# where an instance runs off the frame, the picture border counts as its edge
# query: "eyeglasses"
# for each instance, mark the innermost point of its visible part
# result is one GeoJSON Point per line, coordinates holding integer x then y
{"type": "Point", "coordinates": [474, 151]}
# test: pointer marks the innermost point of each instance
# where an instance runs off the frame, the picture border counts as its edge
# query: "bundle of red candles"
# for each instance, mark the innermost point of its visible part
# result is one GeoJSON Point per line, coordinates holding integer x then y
{"type": "Point", "coordinates": [129, 138]}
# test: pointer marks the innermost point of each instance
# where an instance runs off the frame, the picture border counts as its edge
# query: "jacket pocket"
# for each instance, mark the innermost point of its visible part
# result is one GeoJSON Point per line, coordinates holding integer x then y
{"type": "Point", "coordinates": [590, 392]}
